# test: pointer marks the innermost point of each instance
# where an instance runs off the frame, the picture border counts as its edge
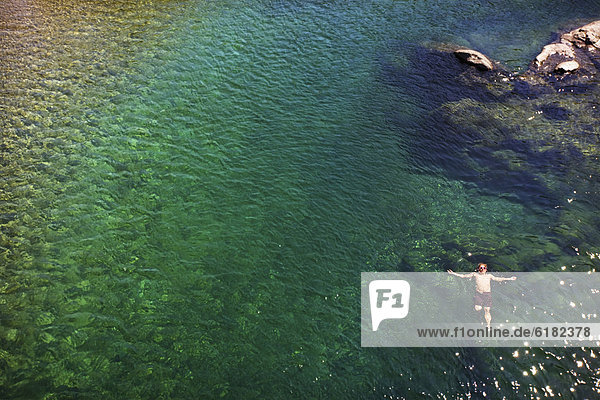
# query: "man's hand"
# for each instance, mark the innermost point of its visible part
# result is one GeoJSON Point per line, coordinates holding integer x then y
{"type": "Point", "coordinates": [513, 278]}
{"type": "Point", "coordinates": [451, 272]}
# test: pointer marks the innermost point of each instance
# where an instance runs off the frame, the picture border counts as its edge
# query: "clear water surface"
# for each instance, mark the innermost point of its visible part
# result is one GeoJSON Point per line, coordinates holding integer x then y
{"type": "Point", "coordinates": [190, 190]}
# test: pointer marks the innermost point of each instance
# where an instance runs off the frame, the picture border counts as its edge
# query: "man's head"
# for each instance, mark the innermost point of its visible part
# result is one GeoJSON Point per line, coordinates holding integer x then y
{"type": "Point", "coordinates": [482, 267]}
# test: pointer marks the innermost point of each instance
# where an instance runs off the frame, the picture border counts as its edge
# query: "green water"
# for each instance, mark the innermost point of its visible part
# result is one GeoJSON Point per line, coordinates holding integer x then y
{"type": "Point", "coordinates": [191, 189]}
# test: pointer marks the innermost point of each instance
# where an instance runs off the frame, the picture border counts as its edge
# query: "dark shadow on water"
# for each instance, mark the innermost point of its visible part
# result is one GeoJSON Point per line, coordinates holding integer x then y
{"type": "Point", "coordinates": [475, 156]}
{"type": "Point", "coordinates": [434, 77]}
{"type": "Point", "coordinates": [526, 90]}
{"type": "Point", "coordinates": [558, 161]}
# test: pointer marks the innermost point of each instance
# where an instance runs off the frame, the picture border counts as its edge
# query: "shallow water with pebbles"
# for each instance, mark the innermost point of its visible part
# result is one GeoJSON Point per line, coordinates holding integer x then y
{"type": "Point", "coordinates": [190, 191]}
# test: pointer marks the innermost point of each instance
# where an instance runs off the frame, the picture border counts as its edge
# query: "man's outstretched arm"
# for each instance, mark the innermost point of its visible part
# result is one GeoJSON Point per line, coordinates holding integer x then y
{"type": "Point", "coordinates": [469, 275]}
{"type": "Point", "coordinates": [498, 279]}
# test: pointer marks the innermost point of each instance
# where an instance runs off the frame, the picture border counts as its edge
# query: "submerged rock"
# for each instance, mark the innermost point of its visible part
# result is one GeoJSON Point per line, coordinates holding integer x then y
{"type": "Point", "coordinates": [474, 58]}
{"type": "Point", "coordinates": [554, 112]}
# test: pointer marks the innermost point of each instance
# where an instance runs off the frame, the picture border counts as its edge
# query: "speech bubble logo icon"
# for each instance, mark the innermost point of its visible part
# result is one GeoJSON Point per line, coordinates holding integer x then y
{"type": "Point", "coordinates": [389, 300]}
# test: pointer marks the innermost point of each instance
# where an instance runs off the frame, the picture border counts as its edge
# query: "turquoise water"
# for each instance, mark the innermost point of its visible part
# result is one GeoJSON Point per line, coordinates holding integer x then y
{"type": "Point", "coordinates": [190, 191]}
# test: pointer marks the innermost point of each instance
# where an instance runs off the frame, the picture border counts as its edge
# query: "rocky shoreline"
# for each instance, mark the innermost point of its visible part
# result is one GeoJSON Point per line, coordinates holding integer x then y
{"type": "Point", "coordinates": [575, 56]}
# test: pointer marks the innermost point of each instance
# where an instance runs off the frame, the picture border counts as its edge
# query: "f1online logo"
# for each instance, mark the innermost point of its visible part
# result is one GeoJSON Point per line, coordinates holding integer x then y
{"type": "Point", "coordinates": [389, 300]}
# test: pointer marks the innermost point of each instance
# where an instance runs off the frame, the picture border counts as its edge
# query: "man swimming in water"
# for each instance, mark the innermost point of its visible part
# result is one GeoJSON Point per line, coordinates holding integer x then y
{"type": "Point", "coordinates": [483, 288]}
